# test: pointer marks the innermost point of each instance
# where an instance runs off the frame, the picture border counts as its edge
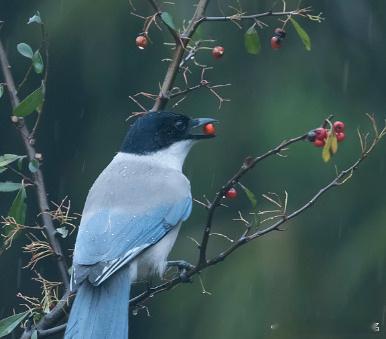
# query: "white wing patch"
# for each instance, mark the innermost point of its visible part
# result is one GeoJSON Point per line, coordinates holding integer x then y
{"type": "Point", "coordinates": [114, 265]}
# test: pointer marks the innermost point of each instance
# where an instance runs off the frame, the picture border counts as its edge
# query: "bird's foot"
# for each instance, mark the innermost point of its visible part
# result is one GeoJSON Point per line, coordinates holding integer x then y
{"type": "Point", "coordinates": [183, 268]}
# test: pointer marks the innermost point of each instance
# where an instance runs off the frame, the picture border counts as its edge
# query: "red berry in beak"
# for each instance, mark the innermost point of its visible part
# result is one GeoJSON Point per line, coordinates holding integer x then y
{"type": "Point", "coordinates": [231, 194]}
{"type": "Point", "coordinates": [209, 129]}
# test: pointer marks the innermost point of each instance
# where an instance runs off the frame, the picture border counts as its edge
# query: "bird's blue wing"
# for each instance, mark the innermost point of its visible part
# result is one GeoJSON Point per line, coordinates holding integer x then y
{"type": "Point", "coordinates": [110, 238]}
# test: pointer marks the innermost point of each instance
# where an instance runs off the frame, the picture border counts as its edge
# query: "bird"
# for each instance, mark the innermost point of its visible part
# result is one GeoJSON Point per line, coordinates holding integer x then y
{"type": "Point", "coordinates": [130, 221]}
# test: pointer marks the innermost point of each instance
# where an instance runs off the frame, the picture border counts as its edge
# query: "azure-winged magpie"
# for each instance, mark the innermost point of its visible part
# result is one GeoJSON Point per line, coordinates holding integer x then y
{"type": "Point", "coordinates": [130, 222]}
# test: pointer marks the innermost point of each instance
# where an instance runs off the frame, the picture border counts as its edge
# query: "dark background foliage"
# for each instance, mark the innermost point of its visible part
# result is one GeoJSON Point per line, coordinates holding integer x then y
{"type": "Point", "coordinates": [322, 278]}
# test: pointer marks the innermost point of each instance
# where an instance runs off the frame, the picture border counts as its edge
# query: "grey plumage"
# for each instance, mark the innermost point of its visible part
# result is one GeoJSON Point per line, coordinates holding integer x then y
{"type": "Point", "coordinates": [136, 205]}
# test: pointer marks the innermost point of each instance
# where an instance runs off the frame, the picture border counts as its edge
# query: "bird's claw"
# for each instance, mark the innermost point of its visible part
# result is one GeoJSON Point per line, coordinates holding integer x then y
{"type": "Point", "coordinates": [183, 268]}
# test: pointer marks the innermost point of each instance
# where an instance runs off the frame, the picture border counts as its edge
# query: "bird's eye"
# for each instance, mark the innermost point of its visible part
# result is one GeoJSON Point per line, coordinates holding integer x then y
{"type": "Point", "coordinates": [180, 125]}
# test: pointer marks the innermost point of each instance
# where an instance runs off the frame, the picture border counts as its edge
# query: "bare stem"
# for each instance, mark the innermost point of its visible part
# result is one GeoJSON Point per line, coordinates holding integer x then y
{"type": "Point", "coordinates": [239, 17]}
{"type": "Point", "coordinates": [246, 167]}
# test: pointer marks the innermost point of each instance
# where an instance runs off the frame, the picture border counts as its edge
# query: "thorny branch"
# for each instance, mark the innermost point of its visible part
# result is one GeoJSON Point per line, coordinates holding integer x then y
{"type": "Point", "coordinates": [38, 178]}
{"type": "Point", "coordinates": [185, 38]}
{"type": "Point", "coordinates": [204, 263]}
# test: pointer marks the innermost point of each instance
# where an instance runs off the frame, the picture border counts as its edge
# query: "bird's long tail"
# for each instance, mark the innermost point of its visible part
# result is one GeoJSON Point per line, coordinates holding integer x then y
{"type": "Point", "coordinates": [101, 311]}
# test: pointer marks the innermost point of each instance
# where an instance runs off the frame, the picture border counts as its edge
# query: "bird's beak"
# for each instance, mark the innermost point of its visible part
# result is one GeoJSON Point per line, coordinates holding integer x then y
{"type": "Point", "coordinates": [199, 122]}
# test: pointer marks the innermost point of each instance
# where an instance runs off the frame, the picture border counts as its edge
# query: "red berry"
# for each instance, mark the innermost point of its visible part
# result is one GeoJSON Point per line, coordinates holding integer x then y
{"type": "Point", "coordinates": [141, 41]}
{"type": "Point", "coordinates": [218, 52]}
{"type": "Point", "coordinates": [319, 142]}
{"type": "Point", "coordinates": [338, 126]}
{"type": "Point", "coordinates": [320, 133]}
{"type": "Point", "coordinates": [231, 194]}
{"type": "Point", "coordinates": [280, 33]}
{"type": "Point", "coordinates": [209, 129]}
{"type": "Point", "coordinates": [275, 42]}
{"type": "Point", "coordinates": [340, 136]}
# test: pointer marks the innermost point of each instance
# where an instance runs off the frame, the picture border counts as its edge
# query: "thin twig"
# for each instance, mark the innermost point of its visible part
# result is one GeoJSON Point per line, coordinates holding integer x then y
{"type": "Point", "coordinates": [239, 17]}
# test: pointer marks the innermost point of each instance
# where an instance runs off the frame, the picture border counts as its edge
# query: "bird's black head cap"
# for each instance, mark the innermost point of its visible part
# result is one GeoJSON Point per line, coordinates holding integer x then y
{"type": "Point", "coordinates": [155, 131]}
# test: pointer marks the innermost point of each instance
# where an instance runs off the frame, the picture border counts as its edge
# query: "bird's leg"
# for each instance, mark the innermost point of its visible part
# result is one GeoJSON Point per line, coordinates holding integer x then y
{"type": "Point", "coordinates": [183, 267]}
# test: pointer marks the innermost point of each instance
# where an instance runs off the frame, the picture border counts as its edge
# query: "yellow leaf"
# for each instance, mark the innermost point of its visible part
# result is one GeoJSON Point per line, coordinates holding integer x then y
{"type": "Point", "coordinates": [326, 153]}
{"type": "Point", "coordinates": [334, 143]}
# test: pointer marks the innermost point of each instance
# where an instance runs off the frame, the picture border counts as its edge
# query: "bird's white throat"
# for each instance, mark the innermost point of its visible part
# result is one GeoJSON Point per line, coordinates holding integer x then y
{"type": "Point", "coordinates": [171, 157]}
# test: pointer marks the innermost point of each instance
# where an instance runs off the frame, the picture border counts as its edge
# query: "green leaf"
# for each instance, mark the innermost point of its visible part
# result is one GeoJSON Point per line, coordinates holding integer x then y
{"type": "Point", "coordinates": [1, 90]}
{"type": "Point", "coordinates": [25, 50]}
{"type": "Point", "coordinates": [7, 159]}
{"type": "Point", "coordinates": [250, 195]}
{"type": "Point", "coordinates": [30, 104]}
{"type": "Point", "coordinates": [252, 41]}
{"type": "Point", "coordinates": [37, 62]}
{"type": "Point", "coordinates": [33, 166]}
{"type": "Point", "coordinates": [302, 34]}
{"type": "Point", "coordinates": [19, 207]}
{"type": "Point", "coordinates": [9, 186]}
{"type": "Point", "coordinates": [168, 20]}
{"type": "Point", "coordinates": [35, 19]}
{"type": "Point", "coordinates": [7, 325]}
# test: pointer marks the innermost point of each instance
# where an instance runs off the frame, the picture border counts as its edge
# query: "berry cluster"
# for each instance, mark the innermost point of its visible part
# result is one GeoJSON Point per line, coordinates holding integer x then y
{"type": "Point", "coordinates": [319, 135]}
{"type": "Point", "coordinates": [278, 36]}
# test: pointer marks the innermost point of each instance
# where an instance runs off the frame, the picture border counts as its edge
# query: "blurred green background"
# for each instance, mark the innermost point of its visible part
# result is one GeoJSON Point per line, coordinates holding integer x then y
{"type": "Point", "coordinates": [322, 278]}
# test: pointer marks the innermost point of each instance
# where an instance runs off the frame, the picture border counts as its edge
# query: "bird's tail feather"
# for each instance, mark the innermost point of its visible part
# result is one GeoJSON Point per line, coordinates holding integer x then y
{"type": "Point", "coordinates": [101, 311]}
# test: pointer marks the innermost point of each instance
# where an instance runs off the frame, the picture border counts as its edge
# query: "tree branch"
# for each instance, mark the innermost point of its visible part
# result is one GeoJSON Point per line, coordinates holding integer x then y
{"type": "Point", "coordinates": [203, 263]}
{"type": "Point", "coordinates": [171, 73]}
{"type": "Point", "coordinates": [40, 189]}
{"type": "Point", "coordinates": [246, 167]}
{"type": "Point", "coordinates": [198, 18]}
{"type": "Point", "coordinates": [159, 12]}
